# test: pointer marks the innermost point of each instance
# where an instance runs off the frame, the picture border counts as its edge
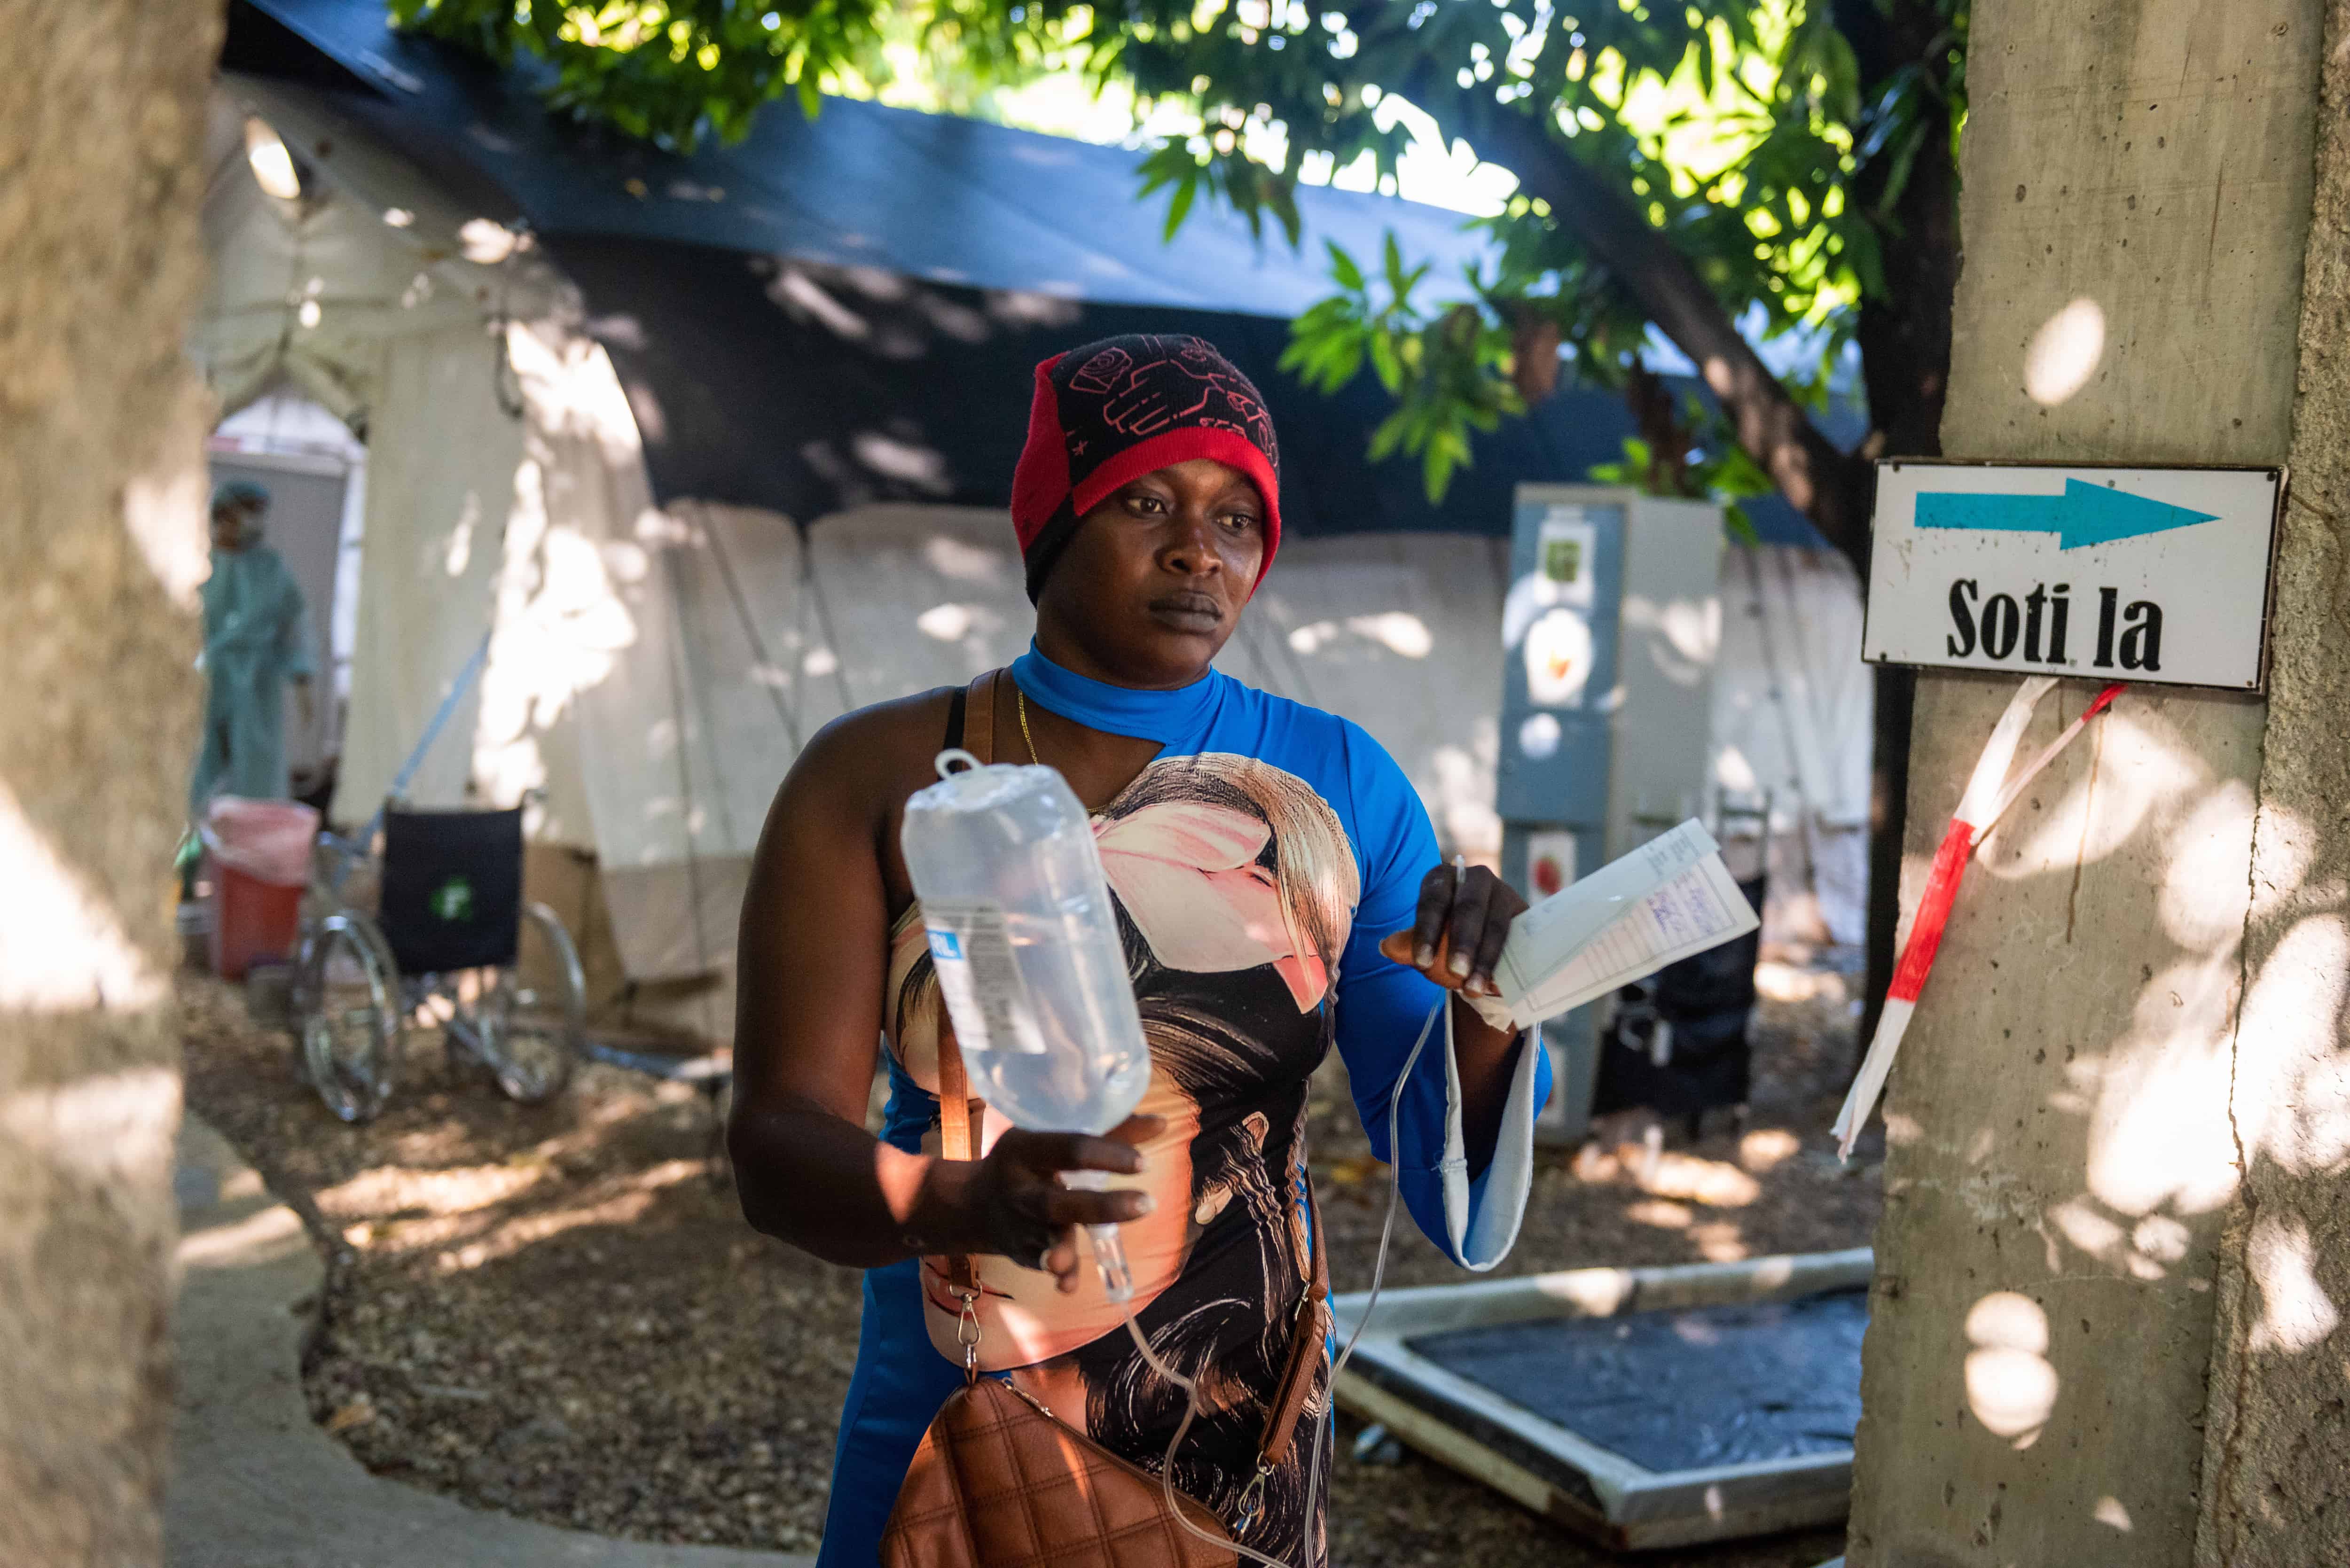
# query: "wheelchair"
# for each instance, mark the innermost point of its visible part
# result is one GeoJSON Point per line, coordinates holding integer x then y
{"type": "Point", "coordinates": [450, 940]}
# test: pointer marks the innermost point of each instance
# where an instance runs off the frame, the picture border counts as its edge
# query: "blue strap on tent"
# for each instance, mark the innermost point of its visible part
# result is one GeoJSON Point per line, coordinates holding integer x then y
{"type": "Point", "coordinates": [408, 769]}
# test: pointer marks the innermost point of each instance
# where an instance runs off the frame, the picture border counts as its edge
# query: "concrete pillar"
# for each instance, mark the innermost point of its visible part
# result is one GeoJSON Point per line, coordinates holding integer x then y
{"type": "Point", "coordinates": [2066, 1183]}
{"type": "Point", "coordinates": [2276, 1458]}
{"type": "Point", "coordinates": [101, 547]}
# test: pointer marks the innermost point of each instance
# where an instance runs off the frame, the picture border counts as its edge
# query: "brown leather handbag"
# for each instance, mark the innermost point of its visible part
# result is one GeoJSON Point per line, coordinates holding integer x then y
{"type": "Point", "coordinates": [1000, 1482]}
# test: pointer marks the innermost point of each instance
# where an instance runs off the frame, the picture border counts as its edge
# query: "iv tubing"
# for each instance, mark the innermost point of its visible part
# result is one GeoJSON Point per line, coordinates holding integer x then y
{"type": "Point", "coordinates": [1329, 1397]}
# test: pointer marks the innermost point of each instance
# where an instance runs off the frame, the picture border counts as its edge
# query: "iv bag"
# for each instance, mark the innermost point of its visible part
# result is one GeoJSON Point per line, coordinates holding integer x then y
{"type": "Point", "coordinates": [1025, 943]}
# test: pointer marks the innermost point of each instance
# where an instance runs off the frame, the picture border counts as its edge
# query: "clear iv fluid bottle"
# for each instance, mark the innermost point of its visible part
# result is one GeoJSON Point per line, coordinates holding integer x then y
{"type": "Point", "coordinates": [1025, 940]}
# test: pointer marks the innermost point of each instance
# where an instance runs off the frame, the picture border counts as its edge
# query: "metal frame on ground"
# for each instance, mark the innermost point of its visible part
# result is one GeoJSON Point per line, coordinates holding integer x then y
{"type": "Point", "coordinates": [1551, 1470]}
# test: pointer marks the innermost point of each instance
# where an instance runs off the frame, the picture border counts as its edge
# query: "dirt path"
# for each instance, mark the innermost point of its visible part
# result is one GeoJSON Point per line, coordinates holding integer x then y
{"type": "Point", "coordinates": [558, 1312]}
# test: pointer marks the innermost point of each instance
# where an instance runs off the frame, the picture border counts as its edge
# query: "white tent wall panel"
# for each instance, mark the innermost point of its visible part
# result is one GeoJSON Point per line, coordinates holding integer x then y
{"type": "Point", "coordinates": [441, 485]}
{"type": "Point", "coordinates": [308, 291]}
{"type": "Point", "coordinates": [738, 573]}
{"type": "Point", "coordinates": [909, 597]}
{"type": "Point", "coordinates": [624, 682]}
{"type": "Point", "coordinates": [1793, 713]}
{"type": "Point", "coordinates": [562, 618]}
{"type": "Point", "coordinates": [689, 736]}
{"type": "Point", "coordinates": [1792, 699]}
{"type": "Point", "coordinates": [1402, 634]}
{"type": "Point", "coordinates": [747, 643]}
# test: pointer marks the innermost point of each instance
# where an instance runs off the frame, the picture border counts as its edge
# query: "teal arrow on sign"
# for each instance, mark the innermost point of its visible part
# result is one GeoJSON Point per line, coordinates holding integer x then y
{"type": "Point", "coordinates": [2085, 514]}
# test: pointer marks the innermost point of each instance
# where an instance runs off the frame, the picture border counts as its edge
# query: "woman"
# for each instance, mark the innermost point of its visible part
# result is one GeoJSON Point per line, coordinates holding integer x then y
{"type": "Point", "coordinates": [1257, 850]}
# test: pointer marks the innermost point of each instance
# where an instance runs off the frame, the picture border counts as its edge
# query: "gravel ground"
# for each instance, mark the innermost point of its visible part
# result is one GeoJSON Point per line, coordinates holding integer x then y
{"type": "Point", "coordinates": [558, 1311]}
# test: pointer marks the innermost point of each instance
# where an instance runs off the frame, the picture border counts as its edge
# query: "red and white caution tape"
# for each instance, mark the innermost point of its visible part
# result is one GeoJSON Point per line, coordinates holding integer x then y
{"type": "Point", "coordinates": [1982, 805]}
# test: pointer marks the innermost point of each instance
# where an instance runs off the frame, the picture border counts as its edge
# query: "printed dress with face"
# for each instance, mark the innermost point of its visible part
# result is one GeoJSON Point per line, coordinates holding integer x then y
{"type": "Point", "coordinates": [1236, 887]}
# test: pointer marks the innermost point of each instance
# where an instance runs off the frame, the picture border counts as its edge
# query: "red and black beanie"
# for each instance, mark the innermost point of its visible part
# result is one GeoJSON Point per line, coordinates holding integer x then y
{"type": "Point", "coordinates": [1111, 411]}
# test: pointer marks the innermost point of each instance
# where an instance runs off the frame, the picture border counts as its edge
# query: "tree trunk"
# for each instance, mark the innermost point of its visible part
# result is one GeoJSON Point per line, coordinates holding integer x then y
{"type": "Point", "coordinates": [1905, 356]}
{"type": "Point", "coordinates": [1905, 341]}
{"type": "Point", "coordinates": [101, 547]}
{"type": "Point", "coordinates": [1771, 427]}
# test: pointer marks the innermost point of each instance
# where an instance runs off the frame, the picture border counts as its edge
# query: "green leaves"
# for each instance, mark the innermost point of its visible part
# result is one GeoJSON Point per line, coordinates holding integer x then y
{"type": "Point", "coordinates": [1738, 129]}
{"type": "Point", "coordinates": [1181, 167]}
{"type": "Point", "coordinates": [1448, 367]}
{"type": "Point", "coordinates": [1171, 166]}
{"type": "Point", "coordinates": [673, 71]}
{"type": "Point", "coordinates": [1343, 267]}
{"type": "Point", "coordinates": [1746, 132]}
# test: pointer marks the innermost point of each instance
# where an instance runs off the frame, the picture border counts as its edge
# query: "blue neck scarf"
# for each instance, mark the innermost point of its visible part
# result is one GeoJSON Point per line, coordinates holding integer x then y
{"type": "Point", "coordinates": [1165, 717]}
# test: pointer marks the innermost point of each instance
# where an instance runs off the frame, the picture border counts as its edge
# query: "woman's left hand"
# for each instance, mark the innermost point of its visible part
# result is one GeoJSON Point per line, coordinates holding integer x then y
{"type": "Point", "coordinates": [1464, 918]}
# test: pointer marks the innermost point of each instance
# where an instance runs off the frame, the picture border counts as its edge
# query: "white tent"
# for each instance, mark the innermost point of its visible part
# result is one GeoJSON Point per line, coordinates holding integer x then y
{"type": "Point", "coordinates": [1792, 719]}
{"type": "Point", "coordinates": [360, 295]}
{"type": "Point", "coordinates": [651, 671]}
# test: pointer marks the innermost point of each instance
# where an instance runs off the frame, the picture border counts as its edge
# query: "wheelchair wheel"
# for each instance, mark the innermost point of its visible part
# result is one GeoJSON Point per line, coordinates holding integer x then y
{"type": "Point", "coordinates": [529, 1026]}
{"type": "Point", "coordinates": [346, 1015]}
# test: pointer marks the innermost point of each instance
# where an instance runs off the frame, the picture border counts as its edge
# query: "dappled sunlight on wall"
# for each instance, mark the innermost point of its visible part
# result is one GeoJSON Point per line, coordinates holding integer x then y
{"type": "Point", "coordinates": [2135, 761]}
{"type": "Point", "coordinates": [2061, 1166]}
{"type": "Point", "coordinates": [2011, 1386]}
{"type": "Point", "coordinates": [2297, 1314]}
{"type": "Point", "coordinates": [559, 621]}
{"type": "Point", "coordinates": [62, 946]}
{"type": "Point", "coordinates": [1680, 638]}
{"type": "Point", "coordinates": [2064, 353]}
{"type": "Point", "coordinates": [1401, 633]}
{"type": "Point", "coordinates": [2293, 1106]}
{"type": "Point", "coordinates": [2152, 1140]}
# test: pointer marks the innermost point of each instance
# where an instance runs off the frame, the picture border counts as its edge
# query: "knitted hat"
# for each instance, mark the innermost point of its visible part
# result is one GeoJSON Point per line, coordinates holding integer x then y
{"type": "Point", "coordinates": [1111, 411]}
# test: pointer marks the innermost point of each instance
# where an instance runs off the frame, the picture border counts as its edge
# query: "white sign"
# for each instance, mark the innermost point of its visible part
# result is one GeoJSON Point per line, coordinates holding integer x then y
{"type": "Point", "coordinates": [1558, 659]}
{"type": "Point", "coordinates": [2146, 575]}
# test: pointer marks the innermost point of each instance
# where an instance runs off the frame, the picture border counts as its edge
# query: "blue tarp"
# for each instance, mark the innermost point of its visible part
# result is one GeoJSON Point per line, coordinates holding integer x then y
{"type": "Point", "coordinates": [847, 308]}
{"type": "Point", "coordinates": [930, 196]}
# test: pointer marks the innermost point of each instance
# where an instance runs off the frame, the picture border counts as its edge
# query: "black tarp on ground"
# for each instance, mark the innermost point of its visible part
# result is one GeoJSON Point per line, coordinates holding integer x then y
{"type": "Point", "coordinates": [1683, 1388]}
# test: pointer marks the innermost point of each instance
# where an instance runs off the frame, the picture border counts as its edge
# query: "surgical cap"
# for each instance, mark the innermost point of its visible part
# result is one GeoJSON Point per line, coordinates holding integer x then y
{"type": "Point", "coordinates": [238, 492]}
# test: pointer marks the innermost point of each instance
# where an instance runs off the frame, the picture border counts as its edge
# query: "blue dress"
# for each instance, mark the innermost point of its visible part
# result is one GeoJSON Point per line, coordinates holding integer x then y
{"type": "Point", "coordinates": [1256, 863]}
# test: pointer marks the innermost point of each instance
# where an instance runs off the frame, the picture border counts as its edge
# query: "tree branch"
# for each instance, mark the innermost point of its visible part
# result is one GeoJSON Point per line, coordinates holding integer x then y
{"type": "Point", "coordinates": [1822, 484]}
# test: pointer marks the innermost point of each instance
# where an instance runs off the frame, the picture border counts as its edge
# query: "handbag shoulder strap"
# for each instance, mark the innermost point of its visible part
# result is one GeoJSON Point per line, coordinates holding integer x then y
{"type": "Point", "coordinates": [979, 717]}
{"type": "Point", "coordinates": [1305, 1346]}
{"type": "Point", "coordinates": [957, 1109]}
{"type": "Point", "coordinates": [976, 708]}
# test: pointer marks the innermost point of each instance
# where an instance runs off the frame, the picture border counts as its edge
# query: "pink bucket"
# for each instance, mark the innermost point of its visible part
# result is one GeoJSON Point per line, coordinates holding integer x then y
{"type": "Point", "coordinates": [258, 852]}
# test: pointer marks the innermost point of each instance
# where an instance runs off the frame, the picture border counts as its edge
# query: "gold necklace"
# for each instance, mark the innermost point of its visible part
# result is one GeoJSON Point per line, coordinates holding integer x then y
{"type": "Point", "coordinates": [1023, 699]}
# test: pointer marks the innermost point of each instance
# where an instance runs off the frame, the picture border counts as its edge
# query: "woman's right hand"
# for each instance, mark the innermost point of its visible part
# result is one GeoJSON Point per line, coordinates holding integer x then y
{"type": "Point", "coordinates": [1021, 1210]}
